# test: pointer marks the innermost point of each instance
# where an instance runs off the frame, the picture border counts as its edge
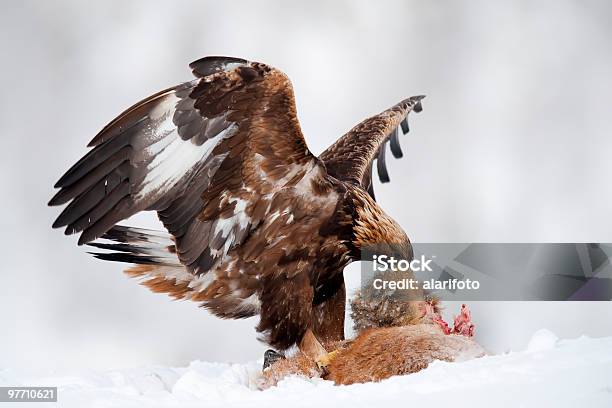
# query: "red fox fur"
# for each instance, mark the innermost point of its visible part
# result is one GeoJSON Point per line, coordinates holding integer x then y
{"type": "Point", "coordinates": [415, 336]}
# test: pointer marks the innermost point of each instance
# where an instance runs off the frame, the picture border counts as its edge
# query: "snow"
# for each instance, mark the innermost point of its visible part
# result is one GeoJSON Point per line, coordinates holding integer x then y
{"type": "Point", "coordinates": [542, 340]}
{"type": "Point", "coordinates": [551, 372]}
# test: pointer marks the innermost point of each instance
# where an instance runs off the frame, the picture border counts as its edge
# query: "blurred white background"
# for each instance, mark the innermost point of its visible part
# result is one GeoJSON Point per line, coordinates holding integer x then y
{"type": "Point", "coordinates": [513, 145]}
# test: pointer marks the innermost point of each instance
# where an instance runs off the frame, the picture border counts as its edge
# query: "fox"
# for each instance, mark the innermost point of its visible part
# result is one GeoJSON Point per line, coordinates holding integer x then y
{"type": "Point", "coordinates": [393, 338]}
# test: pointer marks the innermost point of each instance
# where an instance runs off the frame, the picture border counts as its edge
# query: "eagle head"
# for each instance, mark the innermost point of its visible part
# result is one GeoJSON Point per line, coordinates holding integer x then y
{"type": "Point", "coordinates": [375, 232]}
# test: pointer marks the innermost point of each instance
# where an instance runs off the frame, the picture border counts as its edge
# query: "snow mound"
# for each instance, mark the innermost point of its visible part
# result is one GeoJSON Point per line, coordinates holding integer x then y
{"type": "Point", "coordinates": [564, 373]}
{"type": "Point", "coordinates": [542, 340]}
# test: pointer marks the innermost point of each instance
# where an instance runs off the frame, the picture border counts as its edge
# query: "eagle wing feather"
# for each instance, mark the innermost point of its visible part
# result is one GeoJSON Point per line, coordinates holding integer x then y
{"type": "Point", "coordinates": [351, 158]}
{"type": "Point", "coordinates": [208, 155]}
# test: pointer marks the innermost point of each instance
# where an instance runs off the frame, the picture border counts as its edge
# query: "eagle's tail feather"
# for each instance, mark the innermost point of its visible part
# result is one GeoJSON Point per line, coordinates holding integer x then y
{"type": "Point", "coordinates": [153, 252]}
{"type": "Point", "coordinates": [157, 266]}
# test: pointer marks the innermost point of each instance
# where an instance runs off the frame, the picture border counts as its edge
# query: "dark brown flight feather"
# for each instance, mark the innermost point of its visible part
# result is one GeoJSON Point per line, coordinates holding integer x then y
{"type": "Point", "coordinates": [351, 157]}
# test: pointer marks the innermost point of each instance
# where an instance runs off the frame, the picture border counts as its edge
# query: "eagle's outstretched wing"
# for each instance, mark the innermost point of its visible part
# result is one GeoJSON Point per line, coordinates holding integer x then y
{"type": "Point", "coordinates": [351, 157]}
{"type": "Point", "coordinates": [208, 155]}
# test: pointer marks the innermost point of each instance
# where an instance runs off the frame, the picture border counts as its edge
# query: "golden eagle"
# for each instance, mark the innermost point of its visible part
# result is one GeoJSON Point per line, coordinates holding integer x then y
{"type": "Point", "coordinates": [257, 224]}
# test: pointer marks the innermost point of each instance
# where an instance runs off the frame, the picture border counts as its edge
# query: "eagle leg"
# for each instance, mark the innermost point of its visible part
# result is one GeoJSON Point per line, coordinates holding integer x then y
{"type": "Point", "coordinates": [312, 348]}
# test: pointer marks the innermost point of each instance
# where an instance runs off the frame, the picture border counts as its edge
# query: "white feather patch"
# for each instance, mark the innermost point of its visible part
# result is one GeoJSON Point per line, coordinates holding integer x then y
{"type": "Point", "coordinates": [174, 158]}
{"type": "Point", "coordinates": [251, 304]}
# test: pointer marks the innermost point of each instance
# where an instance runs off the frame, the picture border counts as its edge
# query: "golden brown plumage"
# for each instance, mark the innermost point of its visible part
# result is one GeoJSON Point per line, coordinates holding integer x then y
{"type": "Point", "coordinates": [257, 224]}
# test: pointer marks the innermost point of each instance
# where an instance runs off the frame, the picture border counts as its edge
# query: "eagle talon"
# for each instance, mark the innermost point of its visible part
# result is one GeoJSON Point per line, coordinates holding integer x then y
{"type": "Point", "coordinates": [271, 357]}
